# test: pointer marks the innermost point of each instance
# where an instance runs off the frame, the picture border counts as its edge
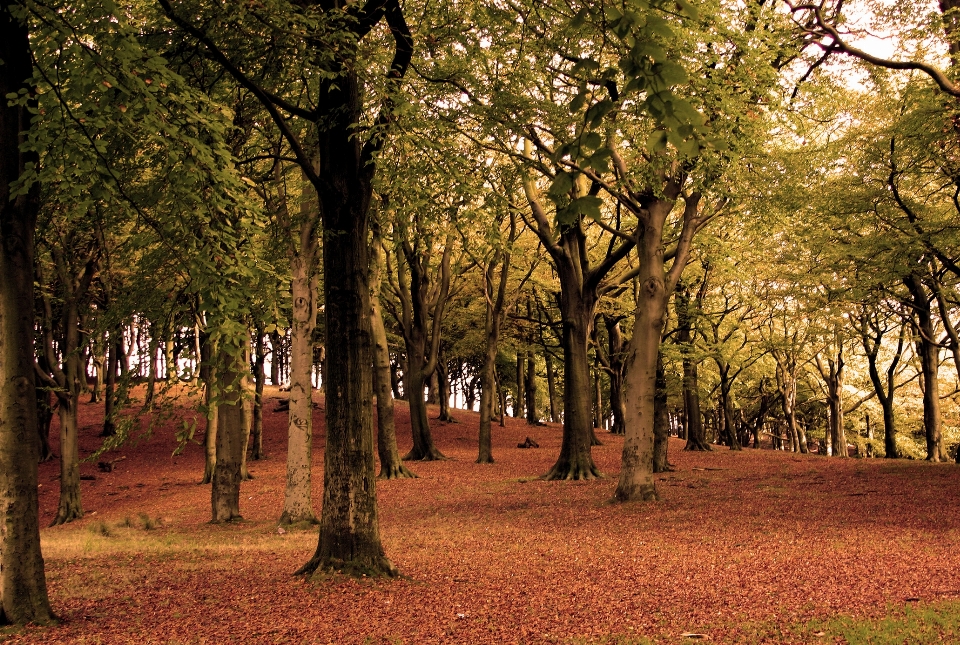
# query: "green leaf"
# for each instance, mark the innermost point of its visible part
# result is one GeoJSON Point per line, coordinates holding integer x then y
{"type": "Point", "coordinates": [687, 9]}
{"type": "Point", "coordinates": [588, 206]}
{"type": "Point", "coordinates": [578, 20]}
{"type": "Point", "coordinates": [591, 141]}
{"type": "Point", "coordinates": [578, 102]}
{"type": "Point", "coordinates": [689, 148]}
{"type": "Point", "coordinates": [600, 160]}
{"type": "Point", "coordinates": [671, 73]}
{"type": "Point", "coordinates": [597, 111]}
{"type": "Point", "coordinates": [658, 26]}
{"type": "Point", "coordinates": [657, 142]}
{"type": "Point", "coordinates": [561, 185]}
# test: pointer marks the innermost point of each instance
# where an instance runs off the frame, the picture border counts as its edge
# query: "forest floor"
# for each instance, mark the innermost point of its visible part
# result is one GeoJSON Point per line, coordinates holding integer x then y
{"type": "Point", "coordinates": [751, 547]}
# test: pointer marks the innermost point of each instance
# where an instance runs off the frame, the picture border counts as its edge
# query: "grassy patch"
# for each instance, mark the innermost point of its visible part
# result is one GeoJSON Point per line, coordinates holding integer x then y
{"type": "Point", "coordinates": [923, 623]}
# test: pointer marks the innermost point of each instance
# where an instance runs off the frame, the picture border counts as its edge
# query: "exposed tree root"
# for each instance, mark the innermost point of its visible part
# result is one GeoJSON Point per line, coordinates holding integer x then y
{"type": "Point", "coordinates": [287, 519]}
{"type": "Point", "coordinates": [571, 472]}
{"type": "Point", "coordinates": [396, 471]}
{"type": "Point", "coordinates": [319, 569]}
{"type": "Point", "coordinates": [432, 454]}
{"type": "Point", "coordinates": [641, 493]}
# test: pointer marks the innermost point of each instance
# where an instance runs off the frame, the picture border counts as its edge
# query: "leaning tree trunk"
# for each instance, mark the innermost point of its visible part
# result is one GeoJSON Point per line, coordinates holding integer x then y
{"type": "Point", "coordinates": [227, 474]}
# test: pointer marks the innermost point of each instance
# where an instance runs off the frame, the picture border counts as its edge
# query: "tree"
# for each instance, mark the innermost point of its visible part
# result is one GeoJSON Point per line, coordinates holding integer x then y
{"type": "Point", "coordinates": [23, 587]}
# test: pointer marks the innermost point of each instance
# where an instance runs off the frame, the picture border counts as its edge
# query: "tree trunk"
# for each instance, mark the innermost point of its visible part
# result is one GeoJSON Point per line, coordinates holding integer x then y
{"type": "Point", "coordinates": [276, 357]}
{"type": "Point", "coordinates": [227, 474]}
{"type": "Point", "coordinates": [207, 373]}
{"type": "Point", "coordinates": [298, 494]}
{"type": "Point", "coordinates": [615, 343]}
{"type": "Point", "coordinates": [530, 389]}
{"type": "Point", "coordinates": [834, 377]}
{"type": "Point", "coordinates": [518, 402]}
{"type": "Point", "coordinates": [726, 408]}
{"type": "Point", "coordinates": [99, 360]}
{"type": "Point", "coordinates": [23, 587]}
{"type": "Point", "coordinates": [929, 353]}
{"type": "Point", "coordinates": [661, 420]}
{"type": "Point", "coordinates": [696, 434]}
{"type": "Point", "coordinates": [443, 380]}
{"type": "Point", "coordinates": [114, 347]}
{"type": "Point", "coordinates": [391, 466]}
{"type": "Point", "coordinates": [551, 388]}
{"type": "Point", "coordinates": [575, 461]}
{"type": "Point", "coordinates": [44, 419]}
{"type": "Point", "coordinates": [640, 374]}
{"type": "Point", "coordinates": [349, 528]}
{"type": "Point", "coordinates": [259, 377]}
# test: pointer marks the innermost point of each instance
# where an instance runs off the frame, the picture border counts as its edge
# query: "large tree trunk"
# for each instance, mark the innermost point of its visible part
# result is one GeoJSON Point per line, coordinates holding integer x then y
{"type": "Point", "coordinates": [23, 587]}
{"type": "Point", "coordinates": [575, 460]}
{"type": "Point", "coordinates": [227, 474]}
{"type": "Point", "coordinates": [349, 526]}
{"type": "Point", "coordinates": [640, 376]}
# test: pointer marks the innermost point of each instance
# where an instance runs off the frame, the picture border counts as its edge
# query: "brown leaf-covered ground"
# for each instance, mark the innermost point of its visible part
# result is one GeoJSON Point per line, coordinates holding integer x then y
{"type": "Point", "coordinates": [743, 547]}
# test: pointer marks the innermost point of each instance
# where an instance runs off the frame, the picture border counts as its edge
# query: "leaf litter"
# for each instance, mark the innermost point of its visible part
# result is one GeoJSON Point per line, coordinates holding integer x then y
{"type": "Point", "coordinates": [492, 554]}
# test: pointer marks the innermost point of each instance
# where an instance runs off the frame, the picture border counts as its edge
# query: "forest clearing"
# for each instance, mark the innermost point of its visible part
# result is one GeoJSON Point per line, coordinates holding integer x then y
{"type": "Point", "coordinates": [299, 238]}
{"type": "Point", "coordinates": [744, 547]}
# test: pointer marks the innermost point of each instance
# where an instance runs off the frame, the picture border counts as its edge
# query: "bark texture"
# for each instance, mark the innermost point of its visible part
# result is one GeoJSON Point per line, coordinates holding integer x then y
{"type": "Point", "coordinates": [225, 492]}
{"type": "Point", "coordinates": [23, 588]}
